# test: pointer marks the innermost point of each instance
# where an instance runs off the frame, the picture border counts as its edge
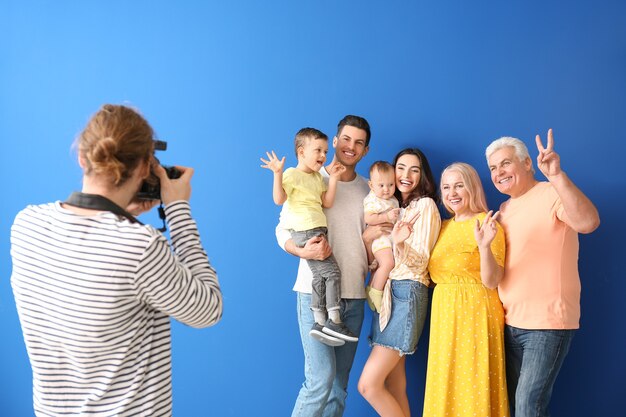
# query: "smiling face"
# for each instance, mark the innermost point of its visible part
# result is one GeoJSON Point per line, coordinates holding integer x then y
{"type": "Point", "coordinates": [408, 174]}
{"type": "Point", "coordinates": [382, 183]}
{"type": "Point", "coordinates": [312, 155]}
{"type": "Point", "coordinates": [510, 175]}
{"type": "Point", "coordinates": [350, 145]}
{"type": "Point", "coordinates": [455, 194]}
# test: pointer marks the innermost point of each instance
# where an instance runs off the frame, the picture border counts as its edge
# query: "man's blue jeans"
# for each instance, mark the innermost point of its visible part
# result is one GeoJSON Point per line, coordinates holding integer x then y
{"type": "Point", "coordinates": [326, 368]}
{"type": "Point", "coordinates": [533, 361]}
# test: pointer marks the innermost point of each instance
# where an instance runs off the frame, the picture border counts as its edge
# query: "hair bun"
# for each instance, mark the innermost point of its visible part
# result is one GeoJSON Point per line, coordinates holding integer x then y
{"type": "Point", "coordinates": [116, 139]}
{"type": "Point", "coordinates": [103, 158]}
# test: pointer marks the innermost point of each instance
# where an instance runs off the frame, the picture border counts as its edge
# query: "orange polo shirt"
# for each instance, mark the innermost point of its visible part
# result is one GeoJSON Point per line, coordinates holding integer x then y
{"type": "Point", "coordinates": [541, 286]}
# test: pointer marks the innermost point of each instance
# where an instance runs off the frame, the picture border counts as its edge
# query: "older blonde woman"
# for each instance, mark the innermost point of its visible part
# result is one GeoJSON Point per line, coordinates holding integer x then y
{"type": "Point", "coordinates": [466, 372]}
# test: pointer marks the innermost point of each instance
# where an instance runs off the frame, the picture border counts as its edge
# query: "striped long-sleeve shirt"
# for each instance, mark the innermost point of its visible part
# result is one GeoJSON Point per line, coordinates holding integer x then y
{"type": "Point", "coordinates": [94, 296]}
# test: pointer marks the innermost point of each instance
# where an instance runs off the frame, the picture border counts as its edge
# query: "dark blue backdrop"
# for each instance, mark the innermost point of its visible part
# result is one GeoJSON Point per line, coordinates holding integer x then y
{"type": "Point", "coordinates": [225, 82]}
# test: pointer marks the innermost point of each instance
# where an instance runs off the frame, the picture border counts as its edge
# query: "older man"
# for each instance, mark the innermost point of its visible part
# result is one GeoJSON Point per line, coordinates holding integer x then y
{"type": "Point", "coordinates": [540, 290]}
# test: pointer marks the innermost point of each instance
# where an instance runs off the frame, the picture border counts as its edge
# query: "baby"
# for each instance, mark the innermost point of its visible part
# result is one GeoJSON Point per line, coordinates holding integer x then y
{"type": "Point", "coordinates": [380, 206]}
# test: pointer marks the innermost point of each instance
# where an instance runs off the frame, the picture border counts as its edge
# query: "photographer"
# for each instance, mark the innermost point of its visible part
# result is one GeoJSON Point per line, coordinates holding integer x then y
{"type": "Point", "coordinates": [95, 288]}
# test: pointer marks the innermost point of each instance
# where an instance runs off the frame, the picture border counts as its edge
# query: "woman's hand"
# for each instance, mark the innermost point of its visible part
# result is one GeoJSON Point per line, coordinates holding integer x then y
{"type": "Point", "coordinates": [403, 229]}
{"type": "Point", "coordinates": [137, 206]}
{"type": "Point", "coordinates": [486, 232]}
{"type": "Point", "coordinates": [174, 189]}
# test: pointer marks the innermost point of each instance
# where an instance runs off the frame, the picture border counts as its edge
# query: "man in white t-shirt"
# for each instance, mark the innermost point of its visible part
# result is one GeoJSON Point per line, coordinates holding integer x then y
{"type": "Point", "coordinates": [327, 368]}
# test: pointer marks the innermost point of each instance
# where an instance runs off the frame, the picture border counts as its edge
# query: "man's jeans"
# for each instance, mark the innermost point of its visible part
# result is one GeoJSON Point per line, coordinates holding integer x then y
{"type": "Point", "coordinates": [533, 361]}
{"type": "Point", "coordinates": [326, 284]}
{"type": "Point", "coordinates": [326, 368]}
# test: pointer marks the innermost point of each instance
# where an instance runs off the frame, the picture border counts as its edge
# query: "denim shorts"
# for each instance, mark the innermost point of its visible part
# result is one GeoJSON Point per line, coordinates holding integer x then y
{"type": "Point", "coordinates": [409, 306]}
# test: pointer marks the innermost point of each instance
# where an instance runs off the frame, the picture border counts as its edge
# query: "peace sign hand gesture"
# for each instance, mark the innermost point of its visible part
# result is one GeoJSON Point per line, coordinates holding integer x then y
{"type": "Point", "coordinates": [273, 163]}
{"type": "Point", "coordinates": [403, 229]}
{"type": "Point", "coordinates": [548, 161]}
{"type": "Point", "coordinates": [486, 232]}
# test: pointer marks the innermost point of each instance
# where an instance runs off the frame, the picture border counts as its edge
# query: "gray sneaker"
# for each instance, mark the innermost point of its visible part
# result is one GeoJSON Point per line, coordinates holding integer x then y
{"type": "Point", "coordinates": [339, 330]}
{"type": "Point", "coordinates": [317, 333]}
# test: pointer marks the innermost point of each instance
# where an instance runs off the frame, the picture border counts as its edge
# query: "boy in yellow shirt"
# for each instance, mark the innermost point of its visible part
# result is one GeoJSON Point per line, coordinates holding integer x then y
{"type": "Point", "coordinates": [305, 193]}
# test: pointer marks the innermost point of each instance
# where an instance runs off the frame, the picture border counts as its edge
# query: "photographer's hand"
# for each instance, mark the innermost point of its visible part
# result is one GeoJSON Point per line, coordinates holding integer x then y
{"type": "Point", "coordinates": [174, 189]}
{"type": "Point", "coordinates": [137, 206]}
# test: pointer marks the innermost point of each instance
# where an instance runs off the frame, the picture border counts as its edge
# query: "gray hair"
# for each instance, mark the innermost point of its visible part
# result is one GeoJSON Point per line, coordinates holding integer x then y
{"type": "Point", "coordinates": [521, 151]}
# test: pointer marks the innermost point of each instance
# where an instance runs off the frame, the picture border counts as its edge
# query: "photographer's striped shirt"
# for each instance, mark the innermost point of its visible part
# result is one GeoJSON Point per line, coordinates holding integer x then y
{"type": "Point", "coordinates": [94, 295]}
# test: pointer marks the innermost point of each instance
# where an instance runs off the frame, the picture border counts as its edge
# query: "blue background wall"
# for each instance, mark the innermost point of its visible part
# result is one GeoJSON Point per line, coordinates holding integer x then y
{"type": "Point", "coordinates": [225, 81]}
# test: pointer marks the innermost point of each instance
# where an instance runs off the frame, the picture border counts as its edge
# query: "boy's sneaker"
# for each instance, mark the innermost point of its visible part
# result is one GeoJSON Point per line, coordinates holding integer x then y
{"type": "Point", "coordinates": [317, 333]}
{"type": "Point", "coordinates": [339, 330]}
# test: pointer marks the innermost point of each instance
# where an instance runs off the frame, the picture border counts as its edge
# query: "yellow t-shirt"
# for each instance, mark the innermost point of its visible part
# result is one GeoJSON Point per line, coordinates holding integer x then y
{"type": "Point", "coordinates": [303, 209]}
{"type": "Point", "coordinates": [541, 287]}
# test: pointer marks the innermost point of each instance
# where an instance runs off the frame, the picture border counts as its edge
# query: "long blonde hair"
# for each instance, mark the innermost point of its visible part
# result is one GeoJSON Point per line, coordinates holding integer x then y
{"type": "Point", "coordinates": [473, 185]}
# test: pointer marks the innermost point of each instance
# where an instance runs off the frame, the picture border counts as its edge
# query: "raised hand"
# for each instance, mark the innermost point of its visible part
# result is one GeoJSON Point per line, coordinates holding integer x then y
{"type": "Point", "coordinates": [336, 169]}
{"type": "Point", "coordinates": [403, 229]}
{"type": "Point", "coordinates": [486, 232]}
{"type": "Point", "coordinates": [548, 161]}
{"type": "Point", "coordinates": [273, 163]}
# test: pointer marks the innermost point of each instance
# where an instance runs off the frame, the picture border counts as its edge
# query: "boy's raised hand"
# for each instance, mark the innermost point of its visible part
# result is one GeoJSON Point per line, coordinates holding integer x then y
{"type": "Point", "coordinates": [273, 163]}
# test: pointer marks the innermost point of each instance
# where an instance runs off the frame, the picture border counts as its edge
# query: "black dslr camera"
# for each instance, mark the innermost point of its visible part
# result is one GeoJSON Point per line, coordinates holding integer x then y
{"type": "Point", "coordinates": [151, 187]}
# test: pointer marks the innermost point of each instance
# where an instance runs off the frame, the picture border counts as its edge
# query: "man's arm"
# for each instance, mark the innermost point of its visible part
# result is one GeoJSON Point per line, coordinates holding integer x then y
{"type": "Point", "coordinates": [582, 215]}
{"type": "Point", "coordinates": [315, 248]}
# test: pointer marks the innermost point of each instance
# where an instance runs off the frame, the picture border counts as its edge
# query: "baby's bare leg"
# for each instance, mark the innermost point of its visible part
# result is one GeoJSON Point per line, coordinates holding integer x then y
{"type": "Point", "coordinates": [384, 257]}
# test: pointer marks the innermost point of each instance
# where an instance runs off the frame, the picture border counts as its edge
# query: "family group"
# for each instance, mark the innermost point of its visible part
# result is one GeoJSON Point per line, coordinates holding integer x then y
{"type": "Point", "coordinates": [506, 298]}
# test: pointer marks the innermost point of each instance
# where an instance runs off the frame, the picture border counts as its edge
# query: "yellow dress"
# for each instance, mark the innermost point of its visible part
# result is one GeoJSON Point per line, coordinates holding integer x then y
{"type": "Point", "coordinates": [466, 372]}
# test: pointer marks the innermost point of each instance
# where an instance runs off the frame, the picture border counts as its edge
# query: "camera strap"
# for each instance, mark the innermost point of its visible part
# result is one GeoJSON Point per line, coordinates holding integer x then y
{"type": "Point", "coordinates": [98, 202]}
